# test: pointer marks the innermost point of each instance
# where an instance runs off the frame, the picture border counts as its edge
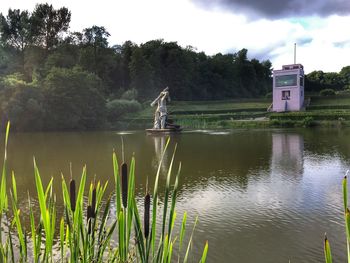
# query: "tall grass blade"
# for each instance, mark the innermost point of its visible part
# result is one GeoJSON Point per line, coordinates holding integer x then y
{"type": "Point", "coordinates": [182, 233]}
{"type": "Point", "coordinates": [117, 184]}
{"type": "Point", "coordinates": [345, 193]}
{"type": "Point", "coordinates": [205, 252]}
{"type": "Point", "coordinates": [45, 215]}
{"type": "Point", "coordinates": [190, 241]}
{"type": "Point", "coordinates": [139, 235]}
{"type": "Point", "coordinates": [3, 194]}
{"type": "Point", "coordinates": [173, 202]}
{"type": "Point", "coordinates": [166, 195]}
{"type": "Point", "coordinates": [327, 251]}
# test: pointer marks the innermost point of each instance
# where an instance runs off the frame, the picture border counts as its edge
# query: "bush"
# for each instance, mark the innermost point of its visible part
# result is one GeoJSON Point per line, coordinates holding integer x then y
{"type": "Point", "coordinates": [130, 94]}
{"type": "Point", "coordinates": [307, 122]}
{"type": "Point", "coordinates": [22, 103]}
{"type": "Point", "coordinates": [117, 108]}
{"type": "Point", "coordinates": [327, 92]}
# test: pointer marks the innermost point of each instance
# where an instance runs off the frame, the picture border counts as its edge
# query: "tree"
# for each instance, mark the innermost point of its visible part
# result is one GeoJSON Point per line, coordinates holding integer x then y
{"type": "Point", "coordinates": [141, 75]}
{"type": "Point", "coordinates": [15, 32]}
{"type": "Point", "coordinates": [48, 25]}
{"type": "Point", "coordinates": [345, 76]}
{"type": "Point", "coordinates": [97, 57]}
{"type": "Point", "coordinates": [21, 103]}
{"type": "Point", "coordinates": [74, 99]}
{"type": "Point", "coordinates": [15, 29]}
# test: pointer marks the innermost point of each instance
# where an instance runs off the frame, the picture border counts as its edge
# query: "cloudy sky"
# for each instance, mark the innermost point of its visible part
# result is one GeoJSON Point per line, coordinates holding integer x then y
{"type": "Point", "coordinates": [267, 28]}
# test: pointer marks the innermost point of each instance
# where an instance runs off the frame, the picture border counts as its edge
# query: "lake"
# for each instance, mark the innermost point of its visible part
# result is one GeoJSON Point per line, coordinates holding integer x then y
{"type": "Point", "coordinates": [260, 195]}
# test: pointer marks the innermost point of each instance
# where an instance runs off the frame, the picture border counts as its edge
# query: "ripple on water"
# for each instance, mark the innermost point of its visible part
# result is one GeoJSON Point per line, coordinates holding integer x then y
{"type": "Point", "coordinates": [125, 132]}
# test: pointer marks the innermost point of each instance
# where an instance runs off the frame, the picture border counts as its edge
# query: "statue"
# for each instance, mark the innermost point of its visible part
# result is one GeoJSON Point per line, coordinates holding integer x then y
{"type": "Point", "coordinates": [161, 114]}
{"type": "Point", "coordinates": [162, 123]}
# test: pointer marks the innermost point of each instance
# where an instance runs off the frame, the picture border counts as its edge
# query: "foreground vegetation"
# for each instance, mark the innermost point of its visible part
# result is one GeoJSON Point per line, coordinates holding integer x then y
{"type": "Point", "coordinates": [93, 228]}
{"type": "Point", "coordinates": [327, 247]}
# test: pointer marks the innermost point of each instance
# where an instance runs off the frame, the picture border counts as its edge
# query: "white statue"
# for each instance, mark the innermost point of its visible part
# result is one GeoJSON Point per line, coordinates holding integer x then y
{"type": "Point", "coordinates": [161, 113]}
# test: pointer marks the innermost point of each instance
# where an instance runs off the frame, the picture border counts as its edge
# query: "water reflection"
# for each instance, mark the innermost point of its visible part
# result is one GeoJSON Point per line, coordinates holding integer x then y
{"type": "Point", "coordinates": [287, 154]}
{"type": "Point", "coordinates": [159, 147]}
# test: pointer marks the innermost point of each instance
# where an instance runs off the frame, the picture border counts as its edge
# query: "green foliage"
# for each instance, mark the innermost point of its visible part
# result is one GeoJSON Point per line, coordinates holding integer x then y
{"type": "Point", "coordinates": [15, 29]}
{"type": "Point", "coordinates": [316, 115]}
{"type": "Point", "coordinates": [74, 99]}
{"type": "Point", "coordinates": [130, 94]}
{"type": "Point", "coordinates": [48, 24]}
{"type": "Point", "coordinates": [116, 108]}
{"type": "Point", "coordinates": [327, 92]}
{"type": "Point", "coordinates": [318, 80]}
{"type": "Point", "coordinates": [307, 122]}
{"type": "Point", "coordinates": [22, 103]}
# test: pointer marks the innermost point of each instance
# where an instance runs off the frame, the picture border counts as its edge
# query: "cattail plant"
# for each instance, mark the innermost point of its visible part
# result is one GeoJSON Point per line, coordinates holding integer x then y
{"type": "Point", "coordinates": [93, 202]}
{"type": "Point", "coordinates": [72, 194]}
{"type": "Point", "coordinates": [89, 216]}
{"type": "Point", "coordinates": [146, 214]}
{"type": "Point", "coordinates": [124, 181]}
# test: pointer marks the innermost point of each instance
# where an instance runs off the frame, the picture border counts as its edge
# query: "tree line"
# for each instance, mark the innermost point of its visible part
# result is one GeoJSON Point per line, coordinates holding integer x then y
{"type": "Point", "coordinates": [54, 79]}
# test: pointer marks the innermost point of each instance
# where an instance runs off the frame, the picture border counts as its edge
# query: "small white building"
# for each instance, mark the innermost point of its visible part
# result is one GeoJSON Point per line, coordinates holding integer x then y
{"type": "Point", "coordinates": [288, 88]}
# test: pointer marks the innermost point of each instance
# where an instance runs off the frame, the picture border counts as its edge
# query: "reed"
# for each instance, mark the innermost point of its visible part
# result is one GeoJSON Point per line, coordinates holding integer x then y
{"type": "Point", "coordinates": [327, 248]}
{"type": "Point", "coordinates": [85, 230]}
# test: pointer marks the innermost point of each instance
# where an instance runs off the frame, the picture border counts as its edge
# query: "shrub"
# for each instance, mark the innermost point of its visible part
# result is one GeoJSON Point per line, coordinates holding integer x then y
{"type": "Point", "coordinates": [130, 94]}
{"type": "Point", "coordinates": [116, 108]}
{"type": "Point", "coordinates": [327, 92]}
{"type": "Point", "coordinates": [307, 122]}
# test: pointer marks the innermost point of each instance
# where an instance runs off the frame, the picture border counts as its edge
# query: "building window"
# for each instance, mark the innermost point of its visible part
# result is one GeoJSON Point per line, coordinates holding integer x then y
{"type": "Point", "coordinates": [301, 81]}
{"type": "Point", "coordinates": [286, 80]}
{"type": "Point", "coordinates": [285, 94]}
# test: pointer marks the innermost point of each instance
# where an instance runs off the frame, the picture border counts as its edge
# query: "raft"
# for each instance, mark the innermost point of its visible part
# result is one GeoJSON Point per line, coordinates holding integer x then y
{"type": "Point", "coordinates": [163, 131]}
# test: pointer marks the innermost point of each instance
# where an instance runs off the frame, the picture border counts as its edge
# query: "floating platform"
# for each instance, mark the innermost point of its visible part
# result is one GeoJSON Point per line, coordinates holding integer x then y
{"type": "Point", "coordinates": [163, 131]}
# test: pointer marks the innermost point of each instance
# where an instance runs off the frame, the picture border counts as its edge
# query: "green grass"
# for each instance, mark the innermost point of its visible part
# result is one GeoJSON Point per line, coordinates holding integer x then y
{"type": "Point", "coordinates": [200, 107]}
{"type": "Point", "coordinates": [331, 111]}
{"type": "Point", "coordinates": [86, 229]}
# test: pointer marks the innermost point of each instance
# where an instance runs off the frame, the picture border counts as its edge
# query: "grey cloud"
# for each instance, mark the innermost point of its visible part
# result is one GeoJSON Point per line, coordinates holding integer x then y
{"type": "Point", "coordinates": [303, 41]}
{"type": "Point", "coordinates": [267, 53]}
{"type": "Point", "coordinates": [342, 44]}
{"type": "Point", "coordinates": [273, 9]}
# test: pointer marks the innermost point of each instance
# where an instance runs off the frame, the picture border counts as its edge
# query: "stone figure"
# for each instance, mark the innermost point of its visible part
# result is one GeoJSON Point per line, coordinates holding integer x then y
{"type": "Point", "coordinates": [160, 116]}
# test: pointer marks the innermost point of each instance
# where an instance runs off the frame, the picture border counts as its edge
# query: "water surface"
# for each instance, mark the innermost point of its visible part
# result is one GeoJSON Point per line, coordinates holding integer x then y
{"type": "Point", "coordinates": [261, 195]}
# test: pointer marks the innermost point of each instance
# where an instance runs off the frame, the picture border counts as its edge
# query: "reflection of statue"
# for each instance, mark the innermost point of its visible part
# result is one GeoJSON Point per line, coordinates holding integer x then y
{"type": "Point", "coordinates": [161, 113]}
{"type": "Point", "coordinates": [159, 145]}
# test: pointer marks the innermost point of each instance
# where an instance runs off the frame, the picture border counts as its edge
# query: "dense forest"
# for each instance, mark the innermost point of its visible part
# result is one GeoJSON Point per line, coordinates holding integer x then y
{"type": "Point", "coordinates": [54, 79]}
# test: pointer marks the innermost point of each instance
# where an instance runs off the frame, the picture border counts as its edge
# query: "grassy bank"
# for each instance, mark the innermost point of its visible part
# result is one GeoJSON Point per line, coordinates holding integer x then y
{"type": "Point", "coordinates": [333, 111]}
